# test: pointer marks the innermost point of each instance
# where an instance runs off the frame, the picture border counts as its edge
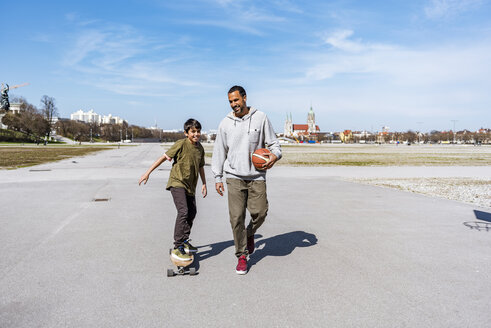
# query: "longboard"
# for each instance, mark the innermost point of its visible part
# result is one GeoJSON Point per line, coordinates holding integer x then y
{"type": "Point", "coordinates": [181, 266]}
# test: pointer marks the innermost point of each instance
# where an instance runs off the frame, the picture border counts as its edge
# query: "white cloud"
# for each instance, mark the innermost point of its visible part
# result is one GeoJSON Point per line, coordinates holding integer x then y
{"type": "Point", "coordinates": [238, 16]}
{"type": "Point", "coordinates": [226, 24]}
{"type": "Point", "coordinates": [120, 60]}
{"type": "Point", "coordinates": [436, 81]}
{"type": "Point", "coordinates": [448, 8]}
{"type": "Point", "coordinates": [287, 5]}
{"type": "Point", "coordinates": [434, 65]}
{"type": "Point", "coordinates": [339, 39]}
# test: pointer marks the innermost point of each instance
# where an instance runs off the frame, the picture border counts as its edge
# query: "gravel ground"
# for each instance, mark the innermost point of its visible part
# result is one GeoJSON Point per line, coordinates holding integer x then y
{"type": "Point", "coordinates": [475, 191]}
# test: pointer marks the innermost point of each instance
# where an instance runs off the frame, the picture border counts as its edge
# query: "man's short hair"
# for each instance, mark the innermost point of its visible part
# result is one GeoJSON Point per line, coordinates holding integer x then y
{"type": "Point", "coordinates": [241, 90]}
{"type": "Point", "coordinates": [192, 123]}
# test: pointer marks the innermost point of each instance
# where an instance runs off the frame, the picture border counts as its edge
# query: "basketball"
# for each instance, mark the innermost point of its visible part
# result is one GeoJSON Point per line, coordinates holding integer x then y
{"type": "Point", "coordinates": [258, 158]}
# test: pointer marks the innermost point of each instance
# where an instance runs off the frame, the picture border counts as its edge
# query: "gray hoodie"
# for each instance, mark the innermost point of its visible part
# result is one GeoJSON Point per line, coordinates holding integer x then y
{"type": "Point", "coordinates": [237, 139]}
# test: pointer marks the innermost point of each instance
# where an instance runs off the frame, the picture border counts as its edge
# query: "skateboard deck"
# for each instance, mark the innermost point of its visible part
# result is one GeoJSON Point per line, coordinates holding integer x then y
{"type": "Point", "coordinates": [181, 266]}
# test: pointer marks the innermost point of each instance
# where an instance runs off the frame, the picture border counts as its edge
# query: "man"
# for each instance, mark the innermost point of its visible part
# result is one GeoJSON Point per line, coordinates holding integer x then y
{"type": "Point", "coordinates": [240, 133]}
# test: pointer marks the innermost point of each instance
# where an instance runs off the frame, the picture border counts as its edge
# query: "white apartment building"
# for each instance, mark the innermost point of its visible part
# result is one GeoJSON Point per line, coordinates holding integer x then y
{"type": "Point", "coordinates": [93, 117]}
{"type": "Point", "coordinates": [87, 117]}
{"type": "Point", "coordinates": [109, 119]}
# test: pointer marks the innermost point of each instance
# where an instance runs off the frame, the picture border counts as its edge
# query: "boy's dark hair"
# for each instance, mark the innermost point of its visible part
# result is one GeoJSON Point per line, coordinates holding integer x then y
{"type": "Point", "coordinates": [241, 90]}
{"type": "Point", "coordinates": [192, 123]}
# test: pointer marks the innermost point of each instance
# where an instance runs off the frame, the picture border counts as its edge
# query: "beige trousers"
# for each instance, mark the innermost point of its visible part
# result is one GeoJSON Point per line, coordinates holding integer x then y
{"type": "Point", "coordinates": [244, 194]}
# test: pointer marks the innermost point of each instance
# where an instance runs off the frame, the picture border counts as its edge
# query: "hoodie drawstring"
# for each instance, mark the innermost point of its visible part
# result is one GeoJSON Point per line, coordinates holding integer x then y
{"type": "Point", "coordinates": [235, 119]}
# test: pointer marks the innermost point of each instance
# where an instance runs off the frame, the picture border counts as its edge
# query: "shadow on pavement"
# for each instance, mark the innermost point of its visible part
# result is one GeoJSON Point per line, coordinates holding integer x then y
{"type": "Point", "coordinates": [478, 225]}
{"type": "Point", "coordinates": [216, 249]}
{"type": "Point", "coordinates": [281, 245]}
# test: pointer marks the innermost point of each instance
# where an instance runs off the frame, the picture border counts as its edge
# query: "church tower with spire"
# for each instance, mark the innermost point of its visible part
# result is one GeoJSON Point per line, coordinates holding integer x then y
{"type": "Point", "coordinates": [288, 131]}
{"type": "Point", "coordinates": [311, 128]}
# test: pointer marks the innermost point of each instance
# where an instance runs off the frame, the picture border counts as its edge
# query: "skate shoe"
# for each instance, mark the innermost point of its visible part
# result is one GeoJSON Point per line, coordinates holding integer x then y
{"type": "Point", "coordinates": [188, 248]}
{"type": "Point", "coordinates": [180, 254]}
{"type": "Point", "coordinates": [242, 265]}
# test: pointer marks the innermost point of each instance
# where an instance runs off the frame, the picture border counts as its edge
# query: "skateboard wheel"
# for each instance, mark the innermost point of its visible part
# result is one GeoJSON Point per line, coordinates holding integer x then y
{"type": "Point", "coordinates": [170, 273]}
{"type": "Point", "coordinates": [192, 271]}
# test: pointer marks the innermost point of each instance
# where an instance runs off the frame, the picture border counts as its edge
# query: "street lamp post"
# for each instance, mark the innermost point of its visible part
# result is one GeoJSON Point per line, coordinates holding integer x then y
{"type": "Point", "coordinates": [454, 129]}
{"type": "Point", "coordinates": [419, 130]}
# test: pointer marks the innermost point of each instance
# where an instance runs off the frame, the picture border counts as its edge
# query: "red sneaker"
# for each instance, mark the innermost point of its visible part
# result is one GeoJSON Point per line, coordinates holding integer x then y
{"type": "Point", "coordinates": [250, 244]}
{"type": "Point", "coordinates": [242, 266]}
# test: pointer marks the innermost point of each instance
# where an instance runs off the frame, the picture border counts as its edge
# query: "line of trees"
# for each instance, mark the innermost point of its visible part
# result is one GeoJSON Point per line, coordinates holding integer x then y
{"type": "Point", "coordinates": [82, 131]}
{"type": "Point", "coordinates": [465, 136]}
{"type": "Point", "coordinates": [435, 136]}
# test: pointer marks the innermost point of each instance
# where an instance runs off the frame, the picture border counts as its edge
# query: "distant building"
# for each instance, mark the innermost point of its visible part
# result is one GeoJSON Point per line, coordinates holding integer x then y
{"type": "Point", "coordinates": [14, 108]}
{"type": "Point", "coordinates": [346, 136]}
{"type": "Point", "coordinates": [93, 117]}
{"type": "Point", "coordinates": [109, 119]}
{"type": "Point", "coordinates": [361, 136]}
{"type": "Point", "coordinates": [383, 136]}
{"type": "Point", "coordinates": [87, 117]}
{"type": "Point", "coordinates": [307, 131]}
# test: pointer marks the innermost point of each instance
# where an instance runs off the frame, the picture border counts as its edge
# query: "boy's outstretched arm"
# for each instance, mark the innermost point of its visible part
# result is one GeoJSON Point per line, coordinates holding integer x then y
{"type": "Point", "coordinates": [144, 177]}
{"type": "Point", "coordinates": [203, 181]}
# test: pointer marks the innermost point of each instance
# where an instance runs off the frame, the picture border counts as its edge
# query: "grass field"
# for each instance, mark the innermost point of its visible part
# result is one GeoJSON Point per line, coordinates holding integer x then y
{"type": "Point", "coordinates": [21, 156]}
{"type": "Point", "coordinates": [386, 155]}
{"type": "Point", "coordinates": [293, 155]}
{"type": "Point", "coordinates": [381, 155]}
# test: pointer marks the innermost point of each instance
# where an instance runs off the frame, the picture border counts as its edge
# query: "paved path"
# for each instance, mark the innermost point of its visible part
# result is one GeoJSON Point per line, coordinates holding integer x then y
{"type": "Point", "coordinates": [331, 254]}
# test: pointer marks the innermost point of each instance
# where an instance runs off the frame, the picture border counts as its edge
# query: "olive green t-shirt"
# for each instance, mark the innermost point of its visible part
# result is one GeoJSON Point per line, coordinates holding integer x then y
{"type": "Point", "coordinates": [188, 159]}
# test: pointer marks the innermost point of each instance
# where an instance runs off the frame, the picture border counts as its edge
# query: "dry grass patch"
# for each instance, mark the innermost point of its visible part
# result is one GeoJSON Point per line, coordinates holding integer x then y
{"type": "Point", "coordinates": [385, 155]}
{"type": "Point", "coordinates": [14, 157]}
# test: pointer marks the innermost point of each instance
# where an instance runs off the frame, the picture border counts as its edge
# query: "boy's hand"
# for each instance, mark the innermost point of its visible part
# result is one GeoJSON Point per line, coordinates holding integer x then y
{"type": "Point", "coordinates": [143, 179]}
{"type": "Point", "coordinates": [204, 192]}
{"type": "Point", "coordinates": [219, 187]}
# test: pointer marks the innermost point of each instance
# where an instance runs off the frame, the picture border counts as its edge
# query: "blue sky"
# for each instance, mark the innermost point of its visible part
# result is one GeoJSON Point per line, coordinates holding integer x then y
{"type": "Point", "coordinates": [361, 64]}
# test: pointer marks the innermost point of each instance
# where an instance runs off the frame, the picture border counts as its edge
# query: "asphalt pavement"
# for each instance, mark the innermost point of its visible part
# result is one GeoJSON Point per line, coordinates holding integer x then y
{"type": "Point", "coordinates": [82, 245]}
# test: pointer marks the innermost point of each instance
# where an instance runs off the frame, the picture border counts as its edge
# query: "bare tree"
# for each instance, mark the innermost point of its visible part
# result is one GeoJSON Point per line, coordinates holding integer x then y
{"type": "Point", "coordinates": [410, 136]}
{"type": "Point", "coordinates": [49, 111]}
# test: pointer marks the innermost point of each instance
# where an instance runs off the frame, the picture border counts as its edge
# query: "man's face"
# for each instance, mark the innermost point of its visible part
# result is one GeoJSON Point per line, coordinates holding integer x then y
{"type": "Point", "coordinates": [238, 103]}
{"type": "Point", "coordinates": [193, 134]}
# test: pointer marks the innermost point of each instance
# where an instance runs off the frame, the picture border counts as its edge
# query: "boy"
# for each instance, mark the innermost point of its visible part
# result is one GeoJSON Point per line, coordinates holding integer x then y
{"type": "Point", "coordinates": [189, 160]}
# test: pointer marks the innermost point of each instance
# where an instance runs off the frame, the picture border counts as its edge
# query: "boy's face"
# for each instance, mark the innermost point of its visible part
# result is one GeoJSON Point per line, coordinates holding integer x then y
{"type": "Point", "coordinates": [193, 134]}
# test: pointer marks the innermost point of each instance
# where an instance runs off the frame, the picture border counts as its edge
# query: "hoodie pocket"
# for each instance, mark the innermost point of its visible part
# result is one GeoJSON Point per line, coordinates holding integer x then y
{"type": "Point", "coordinates": [254, 136]}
